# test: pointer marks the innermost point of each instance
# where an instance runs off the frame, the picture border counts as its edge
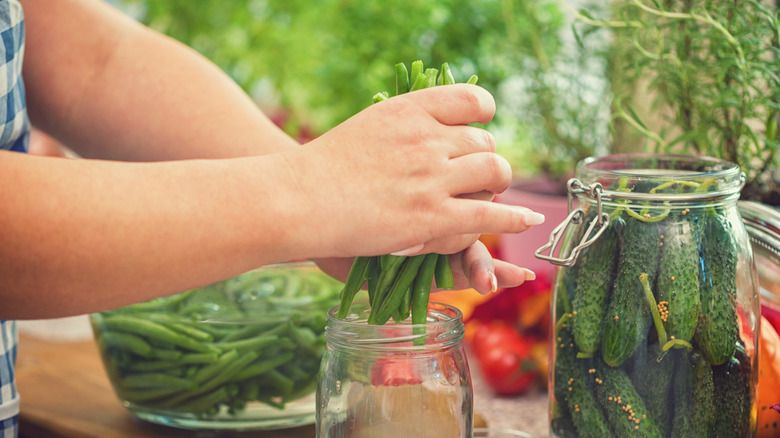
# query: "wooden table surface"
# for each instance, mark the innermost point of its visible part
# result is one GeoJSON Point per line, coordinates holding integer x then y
{"type": "Point", "coordinates": [65, 393]}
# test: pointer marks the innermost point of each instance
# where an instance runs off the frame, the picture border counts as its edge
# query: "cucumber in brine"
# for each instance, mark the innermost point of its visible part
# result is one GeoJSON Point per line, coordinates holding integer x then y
{"type": "Point", "coordinates": [679, 272]}
{"type": "Point", "coordinates": [623, 405]}
{"type": "Point", "coordinates": [694, 412]}
{"type": "Point", "coordinates": [717, 332]}
{"type": "Point", "coordinates": [733, 396]}
{"type": "Point", "coordinates": [574, 388]}
{"type": "Point", "coordinates": [593, 287]}
{"type": "Point", "coordinates": [628, 315]}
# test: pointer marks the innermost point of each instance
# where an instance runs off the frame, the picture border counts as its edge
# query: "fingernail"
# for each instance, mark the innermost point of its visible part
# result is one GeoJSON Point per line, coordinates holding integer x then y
{"type": "Point", "coordinates": [529, 274]}
{"type": "Point", "coordinates": [533, 218]}
{"type": "Point", "coordinates": [409, 251]}
{"type": "Point", "coordinates": [493, 282]}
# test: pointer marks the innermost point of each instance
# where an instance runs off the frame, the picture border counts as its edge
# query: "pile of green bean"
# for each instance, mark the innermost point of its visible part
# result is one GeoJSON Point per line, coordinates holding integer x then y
{"type": "Point", "coordinates": [398, 286]}
{"type": "Point", "coordinates": [257, 337]}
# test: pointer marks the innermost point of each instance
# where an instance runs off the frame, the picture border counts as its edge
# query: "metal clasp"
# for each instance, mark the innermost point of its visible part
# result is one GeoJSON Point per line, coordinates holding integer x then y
{"type": "Point", "coordinates": [593, 232]}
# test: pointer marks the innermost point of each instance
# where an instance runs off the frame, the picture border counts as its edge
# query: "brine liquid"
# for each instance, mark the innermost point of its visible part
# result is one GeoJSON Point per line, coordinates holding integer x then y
{"type": "Point", "coordinates": [403, 411]}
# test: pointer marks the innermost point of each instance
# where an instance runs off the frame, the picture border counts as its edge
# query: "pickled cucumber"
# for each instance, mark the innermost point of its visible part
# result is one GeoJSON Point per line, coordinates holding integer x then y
{"type": "Point", "coordinates": [628, 318]}
{"type": "Point", "coordinates": [678, 294]}
{"type": "Point", "coordinates": [717, 332]}
{"type": "Point", "coordinates": [593, 287]}
{"type": "Point", "coordinates": [574, 388]}
{"type": "Point", "coordinates": [623, 405]}
{"type": "Point", "coordinates": [694, 412]}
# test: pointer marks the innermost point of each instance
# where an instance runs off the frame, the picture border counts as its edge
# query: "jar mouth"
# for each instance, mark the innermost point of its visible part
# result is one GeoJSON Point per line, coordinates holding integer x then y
{"type": "Point", "coordinates": [685, 177]}
{"type": "Point", "coordinates": [444, 326]}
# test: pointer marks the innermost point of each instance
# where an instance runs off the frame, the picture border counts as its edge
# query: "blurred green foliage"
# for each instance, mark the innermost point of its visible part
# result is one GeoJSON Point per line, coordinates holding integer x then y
{"type": "Point", "coordinates": [323, 61]}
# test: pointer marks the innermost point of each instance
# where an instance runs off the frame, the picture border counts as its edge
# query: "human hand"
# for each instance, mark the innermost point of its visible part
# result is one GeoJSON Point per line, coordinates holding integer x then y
{"type": "Point", "coordinates": [475, 268]}
{"type": "Point", "coordinates": [472, 268]}
{"type": "Point", "coordinates": [408, 174]}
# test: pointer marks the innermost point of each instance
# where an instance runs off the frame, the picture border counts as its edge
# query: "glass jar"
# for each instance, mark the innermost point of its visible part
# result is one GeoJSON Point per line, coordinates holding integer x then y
{"type": "Point", "coordinates": [394, 380]}
{"type": "Point", "coordinates": [656, 307]}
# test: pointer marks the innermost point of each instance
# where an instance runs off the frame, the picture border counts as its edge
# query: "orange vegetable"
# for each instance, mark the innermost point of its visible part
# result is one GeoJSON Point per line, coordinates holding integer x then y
{"type": "Point", "coordinates": [768, 381]}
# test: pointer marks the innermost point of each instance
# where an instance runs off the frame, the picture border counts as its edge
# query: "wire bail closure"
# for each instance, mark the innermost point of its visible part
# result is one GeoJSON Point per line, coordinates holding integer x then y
{"type": "Point", "coordinates": [575, 216]}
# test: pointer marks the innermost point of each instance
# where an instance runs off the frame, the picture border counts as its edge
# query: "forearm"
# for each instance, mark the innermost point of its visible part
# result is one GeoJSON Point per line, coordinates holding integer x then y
{"type": "Point", "coordinates": [109, 88]}
{"type": "Point", "coordinates": [84, 235]}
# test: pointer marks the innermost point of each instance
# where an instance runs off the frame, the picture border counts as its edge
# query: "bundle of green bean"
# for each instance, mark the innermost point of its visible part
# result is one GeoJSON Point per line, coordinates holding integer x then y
{"type": "Point", "coordinates": [256, 337]}
{"type": "Point", "coordinates": [400, 286]}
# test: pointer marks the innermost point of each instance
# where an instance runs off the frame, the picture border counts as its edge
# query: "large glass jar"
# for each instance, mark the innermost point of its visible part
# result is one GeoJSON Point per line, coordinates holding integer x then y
{"type": "Point", "coordinates": [394, 380]}
{"type": "Point", "coordinates": [656, 307]}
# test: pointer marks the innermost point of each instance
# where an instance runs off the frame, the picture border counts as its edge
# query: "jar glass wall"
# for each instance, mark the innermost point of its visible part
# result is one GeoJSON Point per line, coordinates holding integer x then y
{"type": "Point", "coordinates": [655, 302]}
{"type": "Point", "coordinates": [393, 380]}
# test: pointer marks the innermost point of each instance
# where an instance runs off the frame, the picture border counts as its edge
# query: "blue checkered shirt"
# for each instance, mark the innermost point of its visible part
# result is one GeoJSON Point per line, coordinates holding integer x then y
{"type": "Point", "coordinates": [14, 136]}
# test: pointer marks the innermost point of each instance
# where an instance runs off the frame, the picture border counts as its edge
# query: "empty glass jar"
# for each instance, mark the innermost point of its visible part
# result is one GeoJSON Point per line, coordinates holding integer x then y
{"type": "Point", "coordinates": [394, 380]}
{"type": "Point", "coordinates": [656, 304]}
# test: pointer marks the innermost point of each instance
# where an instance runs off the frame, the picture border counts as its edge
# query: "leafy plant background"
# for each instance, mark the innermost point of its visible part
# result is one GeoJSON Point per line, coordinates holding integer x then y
{"type": "Point", "coordinates": [313, 65]}
{"type": "Point", "coordinates": [697, 77]}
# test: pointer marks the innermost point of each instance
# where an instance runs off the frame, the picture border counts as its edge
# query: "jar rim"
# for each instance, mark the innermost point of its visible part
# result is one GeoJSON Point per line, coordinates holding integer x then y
{"type": "Point", "coordinates": [727, 175]}
{"type": "Point", "coordinates": [443, 327]}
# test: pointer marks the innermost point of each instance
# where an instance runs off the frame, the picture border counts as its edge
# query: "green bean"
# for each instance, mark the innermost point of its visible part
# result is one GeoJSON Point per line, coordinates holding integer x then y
{"type": "Point", "coordinates": [373, 278]}
{"type": "Point", "coordinates": [224, 375]}
{"type": "Point", "coordinates": [430, 77]}
{"type": "Point", "coordinates": [246, 344]}
{"type": "Point", "coordinates": [214, 368]}
{"type": "Point", "coordinates": [152, 330]}
{"type": "Point", "coordinates": [355, 279]}
{"type": "Point", "coordinates": [421, 291]}
{"type": "Point", "coordinates": [305, 338]}
{"type": "Point", "coordinates": [280, 381]}
{"type": "Point", "coordinates": [419, 82]}
{"type": "Point", "coordinates": [402, 282]}
{"type": "Point", "coordinates": [443, 273]}
{"type": "Point", "coordinates": [250, 389]}
{"type": "Point", "coordinates": [183, 359]}
{"type": "Point", "coordinates": [127, 342]}
{"type": "Point", "coordinates": [190, 331]}
{"type": "Point", "coordinates": [156, 380]}
{"type": "Point", "coordinates": [401, 79]}
{"type": "Point", "coordinates": [260, 367]}
{"type": "Point", "coordinates": [165, 354]}
{"type": "Point", "coordinates": [404, 308]}
{"type": "Point", "coordinates": [417, 70]}
{"type": "Point", "coordinates": [203, 403]}
{"type": "Point", "coordinates": [159, 304]}
{"type": "Point", "coordinates": [250, 330]}
{"type": "Point", "coordinates": [386, 278]}
{"type": "Point", "coordinates": [378, 97]}
{"type": "Point", "coordinates": [147, 394]}
{"type": "Point", "coordinates": [229, 371]}
{"type": "Point", "coordinates": [446, 77]}
{"type": "Point", "coordinates": [422, 288]}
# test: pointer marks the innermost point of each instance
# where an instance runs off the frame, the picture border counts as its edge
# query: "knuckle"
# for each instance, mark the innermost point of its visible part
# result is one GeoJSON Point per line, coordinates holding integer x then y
{"type": "Point", "coordinates": [500, 169]}
{"type": "Point", "coordinates": [489, 140]}
{"type": "Point", "coordinates": [481, 140]}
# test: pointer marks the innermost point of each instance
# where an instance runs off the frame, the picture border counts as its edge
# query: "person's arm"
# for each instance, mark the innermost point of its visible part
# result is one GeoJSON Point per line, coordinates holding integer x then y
{"type": "Point", "coordinates": [108, 87]}
{"type": "Point", "coordinates": [85, 235]}
{"type": "Point", "coordinates": [130, 93]}
{"type": "Point", "coordinates": [78, 236]}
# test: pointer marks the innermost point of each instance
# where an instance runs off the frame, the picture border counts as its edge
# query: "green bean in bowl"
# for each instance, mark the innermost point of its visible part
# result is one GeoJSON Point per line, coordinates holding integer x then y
{"type": "Point", "coordinates": [240, 354]}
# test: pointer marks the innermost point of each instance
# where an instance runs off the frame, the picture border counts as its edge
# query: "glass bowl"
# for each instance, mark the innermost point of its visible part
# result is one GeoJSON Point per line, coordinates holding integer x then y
{"type": "Point", "coordinates": [242, 354]}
